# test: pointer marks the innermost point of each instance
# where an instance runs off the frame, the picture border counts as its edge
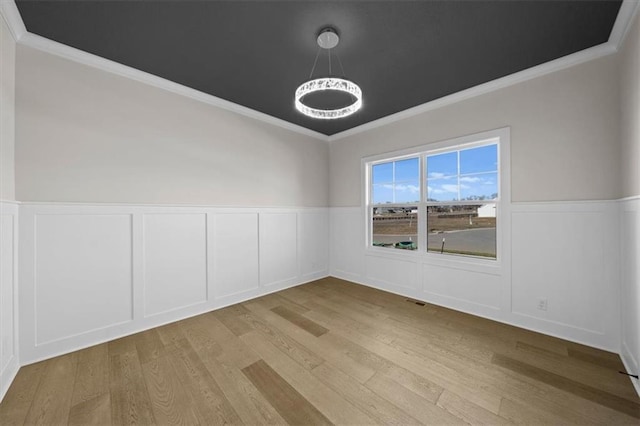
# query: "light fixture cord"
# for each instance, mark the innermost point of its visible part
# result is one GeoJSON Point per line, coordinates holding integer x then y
{"type": "Point", "coordinates": [341, 67]}
{"type": "Point", "coordinates": [314, 63]}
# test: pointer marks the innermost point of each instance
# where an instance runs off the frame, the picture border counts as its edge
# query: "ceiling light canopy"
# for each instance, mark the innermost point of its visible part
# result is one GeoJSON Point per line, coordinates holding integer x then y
{"type": "Point", "coordinates": [328, 39]}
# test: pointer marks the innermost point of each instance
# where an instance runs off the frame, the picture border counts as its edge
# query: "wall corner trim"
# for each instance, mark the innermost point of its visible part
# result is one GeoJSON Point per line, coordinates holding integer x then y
{"type": "Point", "coordinates": [627, 12]}
{"type": "Point", "coordinates": [9, 11]}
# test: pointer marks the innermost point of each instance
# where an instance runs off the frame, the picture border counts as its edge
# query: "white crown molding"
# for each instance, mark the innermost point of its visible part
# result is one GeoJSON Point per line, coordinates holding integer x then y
{"type": "Point", "coordinates": [62, 50]}
{"type": "Point", "coordinates": [627, 12]}
{"type": "Point", "coordinates": [11, 15]}
{"type": "Point", "coordinates": [9, 11]}
{"type": "Point", "coordinates": [491, 86]}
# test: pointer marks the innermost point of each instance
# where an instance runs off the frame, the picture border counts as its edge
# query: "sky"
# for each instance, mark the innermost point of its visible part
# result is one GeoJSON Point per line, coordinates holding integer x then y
{"type": "Point", "coordinates": [450, 176]}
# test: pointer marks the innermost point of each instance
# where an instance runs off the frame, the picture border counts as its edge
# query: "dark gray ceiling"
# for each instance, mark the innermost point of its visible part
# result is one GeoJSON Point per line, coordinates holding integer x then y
{"type": "Point", "coordinates": [255, 53]}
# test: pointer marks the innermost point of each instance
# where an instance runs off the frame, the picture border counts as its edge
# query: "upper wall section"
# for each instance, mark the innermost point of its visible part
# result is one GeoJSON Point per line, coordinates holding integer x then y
{"type": "Point", "coordinates": [630, 111]}
{"type": "Point", "coordinates": [564, 135]}
{"type": "Point", "coordinates": [7, 112]}
{"type": "Point", "coordinates": [86, 135]}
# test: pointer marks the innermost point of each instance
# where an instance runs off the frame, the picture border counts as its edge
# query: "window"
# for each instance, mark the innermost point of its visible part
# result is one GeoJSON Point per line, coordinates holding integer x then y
{"type": "Point", "coordinates": [442, 199]}
{"type": "Point", "coordinates": [395, 194]}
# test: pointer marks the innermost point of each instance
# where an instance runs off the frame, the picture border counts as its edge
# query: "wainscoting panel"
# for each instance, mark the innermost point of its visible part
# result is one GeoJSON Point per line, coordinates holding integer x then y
{"type": "Point", "coordinates": [630, 279]}
{"type": "Point", "coordinates": [8, 294]}
{"type": "Point", "coordinates": [83, 274]}
{"type": "Point", "coordinates": [313, 242]}
{"type": "Point", "coordinates": [564, 253]}
{"type": "Point", "coordinates": [347, 242]}
{"type": "Point", "coordinates": [461, 288]}
{"type": "Point", "coordinates": [236, 267]}
{"type": "Point", "coordinates": [91, 273]}
{"type": "Point", "coordinates": [175, 261]}
{"type": "Point", "coordinates": [278, 248]}
{"type": "Point", "coordinates": [392, 272]}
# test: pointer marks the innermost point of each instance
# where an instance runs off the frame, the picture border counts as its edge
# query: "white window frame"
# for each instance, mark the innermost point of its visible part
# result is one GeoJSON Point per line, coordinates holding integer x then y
{"type": "Point", "coordinates": [502, 137]}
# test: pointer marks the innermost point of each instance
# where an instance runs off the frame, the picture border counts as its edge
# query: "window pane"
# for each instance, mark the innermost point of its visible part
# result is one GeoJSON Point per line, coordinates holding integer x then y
{"type": "Point", "coordinates": [445, 189]}
{"type": "Point", "coordinates": [482, 186]}
{"type": "Point", "coordinates": [407, 192]}
{"type": "Point", "coordinates": [395, 227]}
{"type": "Point", "coordinates": [407, 170]}
{"type": "Point", "coordinates": [382, 193]}
{"type": "Point", "coordinates": [477, 160]}
{"type": "Point", "coordinates": [442, 165]}
{"type": "Point", "coordinates": [465, 230]}
{"type": "Point", "coordinates": [382, 173]}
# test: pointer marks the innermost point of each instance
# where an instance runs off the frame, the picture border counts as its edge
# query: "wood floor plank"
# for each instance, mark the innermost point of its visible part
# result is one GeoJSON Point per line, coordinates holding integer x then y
{"type": "Point", "coordinates": [285, 343]}
{"type": "Point", "coordinates": [441, 375]}
{"type": "Point", "coordinates": [302, 322]}
{"type": "Point", "coordinates": [207, 333]}
{"type": "Point", "coordinates": [384, 411]}
{"type": "Point", "coordinates": [201, 387]}
{"type": "Point", "coordinates": [52, 400]}
{"type": "Point", "coordinates": [468, 411]}
{"type": "Point", "coordinates": [605, 361]}
{"type": "Point", "coordinates": [292, 406]}
{"type": "Point", "coordinates": [575, 369]}
{"type": "Point", "coordinates": [325, 349]}
{"type": "Point", "coordinates": [410, 402]}
{"type": "Point", "coordinates": [130, 402]}
{"type": "Point", "coordinates": [418, 384]}
{"type": "Point", "coordinates": [230, 317]}
{"type": "Point", "coordinates": [170, 403]}
{"type": "Point", "coordinates": [95, 411]}
{"type": "Point", "coordinates": [323, 397]}
{"type": "Point", "coordinates": [248, 402]}
{"type": "Point", "coordinates": [531, 415]}
{"type": "Point", "coordinates": [15, 405]}
{"type": "Point", "coordinates": [631, 408]}
{"type": "Point", "coordinates": [149, 346]}
{"type": "Point", "coordinates": [92, 376]}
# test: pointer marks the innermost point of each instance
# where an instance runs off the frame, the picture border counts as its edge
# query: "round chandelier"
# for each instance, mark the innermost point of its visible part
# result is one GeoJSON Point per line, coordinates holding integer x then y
{"type": "Point", "coordinates": [328, 39]}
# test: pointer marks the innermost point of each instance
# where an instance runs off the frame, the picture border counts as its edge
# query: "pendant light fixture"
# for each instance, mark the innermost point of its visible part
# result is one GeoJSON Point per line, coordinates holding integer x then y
{"type": "Point", "coordinates": [327, 40]}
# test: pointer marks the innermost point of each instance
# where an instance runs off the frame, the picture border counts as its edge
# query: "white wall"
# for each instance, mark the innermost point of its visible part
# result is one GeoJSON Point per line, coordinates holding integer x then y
{"type": "Point", "coordinates": [561, 234]}
{"type": "Point", "coordinates": [630, 206]}
{"type": "Point", "coordinates": [7, 112]}
{"type": "Point", "coordinates": [8, 213]}
{"type": "Point", "coordinates": [564, 128]}
{"type": "Point", "coordinates": [91, 272]}
{"type": "Point", "coordinates": [87, 135]}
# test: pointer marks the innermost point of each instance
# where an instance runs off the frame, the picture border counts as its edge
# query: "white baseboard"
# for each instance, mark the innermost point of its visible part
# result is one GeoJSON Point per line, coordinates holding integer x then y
{"type": "Point", "coordinates": [631, 366]}
{"type": "Point", "coordinates": [7, 375]}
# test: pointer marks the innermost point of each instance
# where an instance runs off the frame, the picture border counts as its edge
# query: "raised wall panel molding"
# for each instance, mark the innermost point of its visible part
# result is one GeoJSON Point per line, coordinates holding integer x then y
{"type": "Point", "coordinates": [93, 273]}
{"type": "Point", "coordinates": [9, 352]}
{"type": "Point", "coordinates": [630, 285]}
{"type": "Point", "coordinates": [576, 270]}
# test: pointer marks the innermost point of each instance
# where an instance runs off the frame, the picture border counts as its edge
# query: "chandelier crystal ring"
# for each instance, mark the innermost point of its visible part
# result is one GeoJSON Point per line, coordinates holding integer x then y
{"type": "Point", "coordinates": [328, 83]}
{"type": "Point", "coordinates": [327, 40]}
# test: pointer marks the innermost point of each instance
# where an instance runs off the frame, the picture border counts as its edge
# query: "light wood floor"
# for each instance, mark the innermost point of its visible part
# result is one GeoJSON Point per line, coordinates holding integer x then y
{"type": "Point", "coordinates": [327, 352]}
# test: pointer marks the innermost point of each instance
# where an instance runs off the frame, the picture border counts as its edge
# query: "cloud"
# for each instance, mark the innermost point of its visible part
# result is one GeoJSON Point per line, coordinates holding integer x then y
{"type": "Point", "coordinates": [413, 189]}
{"type": "Point", "coordinates": [470, 179]}
{"type": "Point", "coordinates": [449, 188]}
{"type": "Point", "coordinates": [436, 175]}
